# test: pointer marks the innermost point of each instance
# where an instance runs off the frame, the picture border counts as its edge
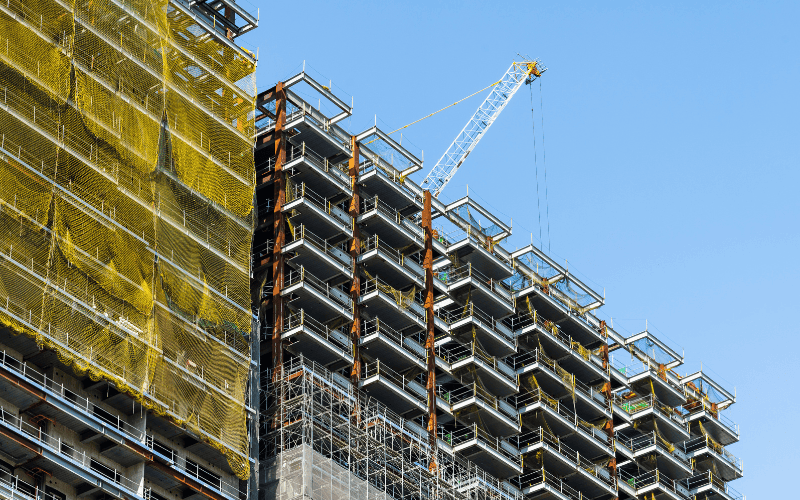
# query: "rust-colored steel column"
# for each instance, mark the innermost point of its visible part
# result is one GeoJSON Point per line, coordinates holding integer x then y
{"type": "Point", "coordinates": [606, 390]}
{"type": "Point", "coordinates": [355, 250]}
{"type": "Point", "coordinates": [427, 264]}
{"type": "Point", "coordinates": [279, 224]}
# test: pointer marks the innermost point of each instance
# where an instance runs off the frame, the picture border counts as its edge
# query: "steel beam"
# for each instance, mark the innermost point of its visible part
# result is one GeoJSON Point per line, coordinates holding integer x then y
{"type": "Point", "coordinates": [355, 251]}
{"type": "Point", "coordinates": [279, 231]}
{"type": "Point", "coordinates": [427, 264]}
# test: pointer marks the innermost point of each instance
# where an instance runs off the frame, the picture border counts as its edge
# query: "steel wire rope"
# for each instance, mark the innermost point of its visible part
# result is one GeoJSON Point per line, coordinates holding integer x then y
{"type": "Point", "coordinates": [544, 162]}
{"type": "Point", "coordinates": [536, 166]}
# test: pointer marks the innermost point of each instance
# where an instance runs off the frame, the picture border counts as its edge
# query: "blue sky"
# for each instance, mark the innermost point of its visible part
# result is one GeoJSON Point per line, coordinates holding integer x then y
{"type": "Point", "coordinates": [671, 138]}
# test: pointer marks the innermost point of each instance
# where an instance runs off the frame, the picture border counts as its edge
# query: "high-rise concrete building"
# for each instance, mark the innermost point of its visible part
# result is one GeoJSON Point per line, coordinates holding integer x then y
{"type": "Point", "coordinates": [405, 353]}
{"type": "Point", "coordinates": [126, 188]}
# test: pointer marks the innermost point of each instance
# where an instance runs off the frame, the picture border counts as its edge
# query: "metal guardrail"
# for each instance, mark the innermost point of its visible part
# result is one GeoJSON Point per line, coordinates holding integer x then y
{"type": "Point", "coordinates": [525, 319]}
{"type": "Point", "coordinates": [407, 223]}
{"type": "Point", "coordinates": [636, 405]}
{"type": "Point", "coordinates": [465, 434]}
{"type": "Point", "coordinates": [40, 379]}
{"type": "Point", "coordinates": [718, 450]}
{"type": "Point", "coordinates": [460, 352]}
{"type": "Point", "coordinates": [467, 392]}
{"type": "Point", "coordinates": [300, 318]}
{"type": "Point", "coordinates": [302, 233]}
{"type": "Point", "coordinates": [541, 436]}
{"type": "Point", "coordinates": [195, 471]}
{"type": "Point", "coordinates": [374, 242]}
{"type": "Point", "coordinates": [452, 275]}
{"type": "Point", "coordinates": [708, 479]}
{"type": "Point", "coordinates": [451, 317]}
{"type": "Point", "coordinates": [530, 397]}
{"type": "Point", "coordinates": [56, 445]}
{"type": "Point", "coordinates": [295, 276]}
{"type": "Point", "coordinates": [650, 478]}
{"type": "Point", "coordinates": [537, 477]}
{"type": "Point", "coordinates": [520, 360]}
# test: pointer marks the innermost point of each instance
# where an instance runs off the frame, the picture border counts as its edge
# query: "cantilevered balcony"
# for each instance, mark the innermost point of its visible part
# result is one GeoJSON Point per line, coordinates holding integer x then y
{"type": "Point", "coordinates": [724, 430]}
{"type": "Point", "coordinates": [490, 295]}
{"type": "Point", "coordinates": [324, 177]}
{"type": "Point", "coordinates": [304, 335]}
{"type": "Point", "coordinates": [315, 129]}
{"type": "Point", "coordinates": [572, 355]}
{"type": "Point", "coordinates": [391, 265]}
{"type": "Point", "coordinates": [591, 479]}
{"type": "Point", "coordinates": [395, 230]}
{"type": "Point", "coordinates": [316, 212]}
{"type": "Point", "coordinates": [383, 342]}
{"type": "Point", "coordinates": [402, 394]}
{"type": "Point", "coordinates": [494, 455]}
{"type": "Point", "coordinates": [654, 482]}
{"type": "Point", "coordinates": [669, 458]}
{"type": "Point", "coordinates": [207, 479]}
{"type": "Point", "coordinates": [649, 412]}
{"type": "Point", "coordinates": [497, 339]}
{"type": "Point", "coordinates": [540, 484]}
{"type": "Point", "coordinates": [29, 444]}
{"type": "Point", "coordinates": [472, 247]}
{"type": "Point", "coordinates": [31, 387]}
{"type": "Point", "coordinates": [704, 449]}
{"type": "Point", "coordinates": [471, 404]}
{"type": "Point", "coordinates": [578, 434]}
{"type": "Point", "coordinates": [646, 378]}
{"type": "Point", "coordinates": [313, 294]}
{"type": "Point", "coordinates": [711, 487]}
{"type": "Point", "coordinates": [554, 380]}
{"type": "Point", "coordinates": [469, 363]}
{"type": "Point", "coordinates": [396, 308]}
{"type": "Point", "coordinates": [317, 255]}
{"type": "Point", "coordinates": [389, 186]}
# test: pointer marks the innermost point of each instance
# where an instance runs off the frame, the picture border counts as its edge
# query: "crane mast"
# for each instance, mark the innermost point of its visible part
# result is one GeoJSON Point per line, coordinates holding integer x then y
{"type": "Point", "coordinates": [479, 123]}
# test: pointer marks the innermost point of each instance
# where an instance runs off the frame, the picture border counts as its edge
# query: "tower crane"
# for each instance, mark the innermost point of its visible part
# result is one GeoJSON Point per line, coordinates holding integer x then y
{"type": "Point", "coordinates": [479, 123]}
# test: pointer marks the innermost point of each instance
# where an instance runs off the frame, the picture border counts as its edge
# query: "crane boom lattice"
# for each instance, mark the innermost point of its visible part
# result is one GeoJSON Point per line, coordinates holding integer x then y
{"type": "Point", "coordinates": [479, 123]}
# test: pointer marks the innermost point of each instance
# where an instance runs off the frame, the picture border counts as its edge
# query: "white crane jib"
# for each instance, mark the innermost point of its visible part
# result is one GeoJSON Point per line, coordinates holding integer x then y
{"type": "Point", "coordinates": [479, 123]}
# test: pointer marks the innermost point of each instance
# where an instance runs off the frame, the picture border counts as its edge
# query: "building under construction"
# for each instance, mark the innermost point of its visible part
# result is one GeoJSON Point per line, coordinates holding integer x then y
{"type": "Point", "coordinates": [183, 316]}
{"type": "Point", "coordinates": [406, 354]}
{"type": "Point", "coordinates": [126, 220]}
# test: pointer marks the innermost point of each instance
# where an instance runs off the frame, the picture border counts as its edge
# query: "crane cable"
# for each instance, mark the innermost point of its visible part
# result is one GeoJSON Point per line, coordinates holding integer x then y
{"type": "Point", "coordinates": [448, 106]}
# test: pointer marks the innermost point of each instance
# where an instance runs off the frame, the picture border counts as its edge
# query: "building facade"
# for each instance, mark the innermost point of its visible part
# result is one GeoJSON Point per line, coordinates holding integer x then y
{"type": "Point", "coordinates": [405, 353]}
{"type": "Point", "coordinates": [125, 227]}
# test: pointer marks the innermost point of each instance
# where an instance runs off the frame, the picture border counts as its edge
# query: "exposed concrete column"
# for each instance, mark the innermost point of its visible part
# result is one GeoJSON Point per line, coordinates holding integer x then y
{"type": "Point", "coordinates": [279, 229]}
{"type": "Point", "coordinates": [427, 264]}
{"type": "Point", "coordinates": [355, 251]}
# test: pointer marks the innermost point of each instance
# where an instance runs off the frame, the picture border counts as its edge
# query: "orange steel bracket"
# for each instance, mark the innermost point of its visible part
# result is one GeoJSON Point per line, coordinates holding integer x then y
{"type": "Point", "coordinates": [427, 264]}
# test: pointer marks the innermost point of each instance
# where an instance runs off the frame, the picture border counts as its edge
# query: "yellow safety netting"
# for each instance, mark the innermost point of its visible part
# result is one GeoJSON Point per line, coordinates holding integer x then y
{"type": "Point", "coordinates": [403, 299]}
{"type": "Point", "coordinates": [126, 189]}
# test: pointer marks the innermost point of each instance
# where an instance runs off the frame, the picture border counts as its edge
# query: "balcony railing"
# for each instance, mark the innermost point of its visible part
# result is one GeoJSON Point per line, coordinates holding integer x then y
{"type": "Point", "coordinates": [536, 395]}
{"type": "Point", "coordinates": [302, 233]}
{"type": "Point", "coordinates": [295, 276]}
{"type": "Point", "coordinates": [338, 170]}
{"type": "Point", "coordinates": [452, 275]}
{"type": "Point", "coordinates": [470, 309]}
{"type": "Point", "coordinates": [454, 353]}
{"type": "Point", "coordinates": [697, 406]}
{"type": "Point", "coordinates": [404, 300]}
{"type": "Point", "coordinates": [647, 440]}
{"type": "Point", "coordinates": [708, 479]}
{"type": "Point", "coordinates": [637, 405]}
{"type": "Point", "coordinates": [297, 191]}
{"type": "Point", "coordinates": [542, 436]}
{"type": "Point", "coordinates": [394, 176]}
{"type": "Point", "coordinates": [529, 317]}
{"type": "Point", "coordinates": [519, 361]}
{"type": "Point", "coordinates": [84, 461]}
{"type": "Point", "coordinates": [538, 477]}
{"type": "Point", "coordinates": [381, 369]}
{"type": "Point", "coordinates": [22, 489]}
{"type": "Point", "coordinates": [467, 392]}
{"type": "Point", "coordinates": [650, 478]}
{"type": "Point", "coordinates": [81, 403]}
{"type": "Point", "coordinates": [717, 449]}
{"type": "Point", "coordinates": [408, 223]}
{"type": "Point", "coordinates": [465, 434]}
{"type": "Point", "coordinates": [194, 470]}
{"type": "Point", "coordinates": [374, 242]}
{"type": "Point", "coordinates": [337, 336]}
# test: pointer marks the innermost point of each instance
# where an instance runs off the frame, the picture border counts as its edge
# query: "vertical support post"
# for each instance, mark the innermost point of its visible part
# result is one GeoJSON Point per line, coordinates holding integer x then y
{"type": "Point", "coordinates": [609, 427]}
{"type": "Point", "coordinates": [355, 250]}
{"type": "Point", "coordinates": [427, 264]}
{"type": "Point", "coordinates": [279, 228]}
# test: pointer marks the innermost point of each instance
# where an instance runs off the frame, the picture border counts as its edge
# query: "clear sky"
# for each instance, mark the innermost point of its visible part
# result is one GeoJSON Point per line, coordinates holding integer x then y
{"type": "Point", "coordinates": [671, 139]}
